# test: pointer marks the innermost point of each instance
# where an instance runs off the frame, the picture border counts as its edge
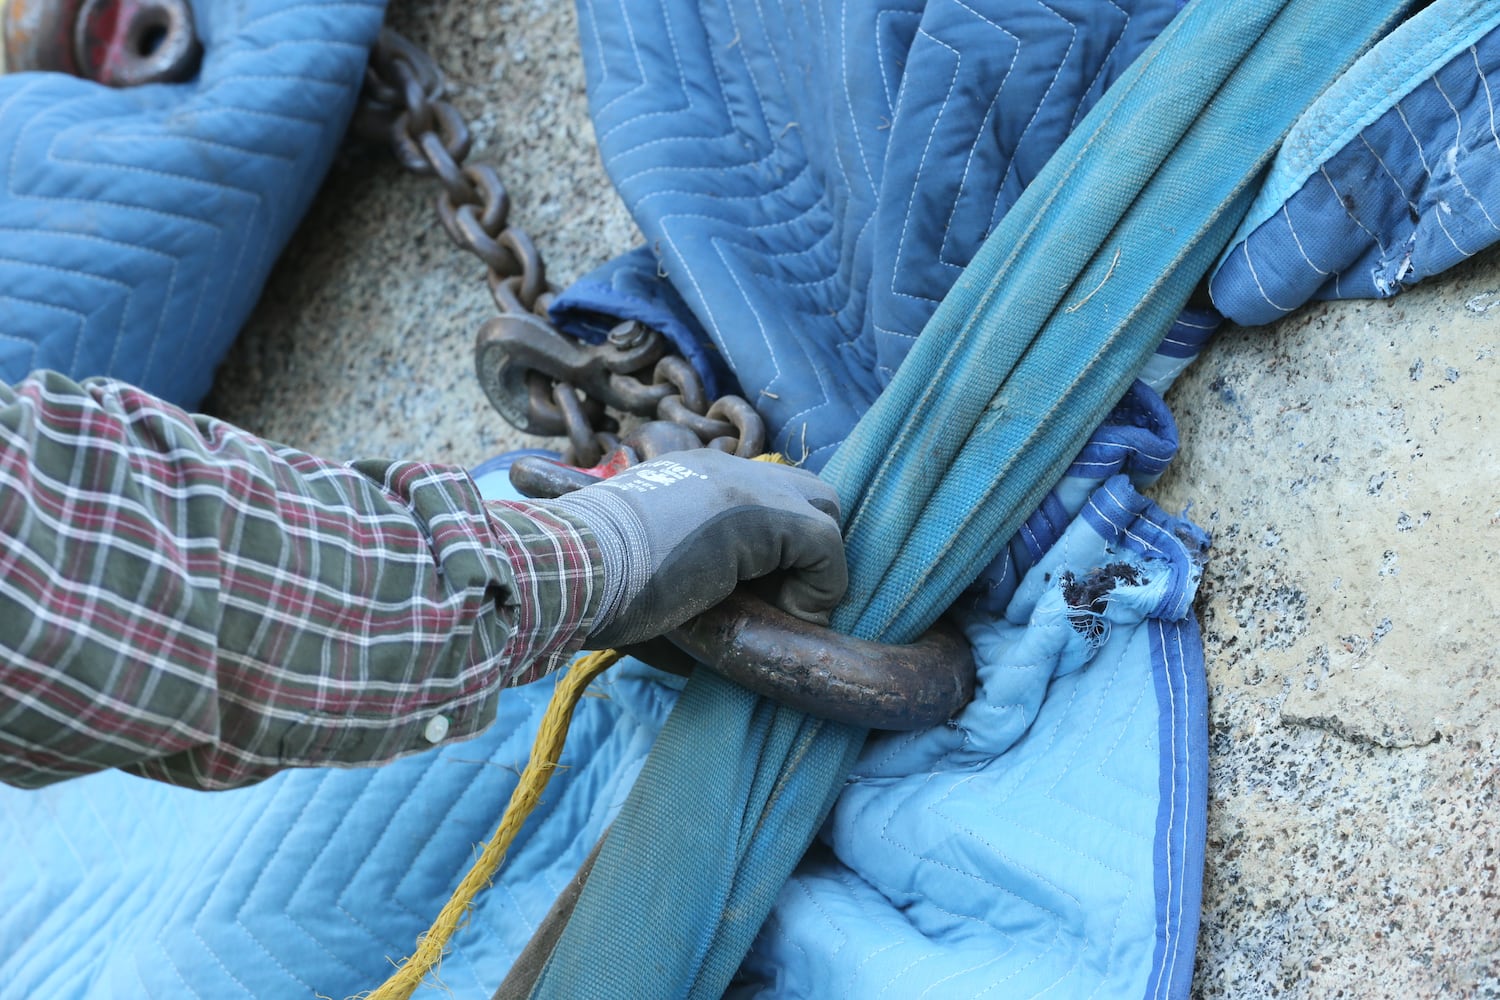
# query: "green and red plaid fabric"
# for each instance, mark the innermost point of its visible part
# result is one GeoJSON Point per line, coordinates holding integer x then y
{"type": "Point", "coordinates": [186, 601]}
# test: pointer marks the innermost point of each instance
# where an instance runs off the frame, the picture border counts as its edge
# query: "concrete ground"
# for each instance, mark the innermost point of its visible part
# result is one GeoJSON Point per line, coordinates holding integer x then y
{"type": "Point", "coordinates": [1343, 461]}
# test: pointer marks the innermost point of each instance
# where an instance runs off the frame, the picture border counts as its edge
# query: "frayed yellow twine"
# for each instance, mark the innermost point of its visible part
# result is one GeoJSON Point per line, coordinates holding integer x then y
{"type": "Point", "coordinates": [545, 752]}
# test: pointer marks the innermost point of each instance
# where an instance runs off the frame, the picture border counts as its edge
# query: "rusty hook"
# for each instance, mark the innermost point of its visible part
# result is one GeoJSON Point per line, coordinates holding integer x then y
{"type": "Point", "coordinates": [815, 670]}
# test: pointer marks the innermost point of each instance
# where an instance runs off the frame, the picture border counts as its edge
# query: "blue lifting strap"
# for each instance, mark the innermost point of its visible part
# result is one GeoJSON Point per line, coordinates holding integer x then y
{"type": "Point", "coordinates": [1041, 335]}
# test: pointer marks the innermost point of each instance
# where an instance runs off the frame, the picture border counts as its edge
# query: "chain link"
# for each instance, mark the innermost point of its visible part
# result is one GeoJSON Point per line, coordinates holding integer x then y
{"type": "Point", "coordinates": [541, 380]}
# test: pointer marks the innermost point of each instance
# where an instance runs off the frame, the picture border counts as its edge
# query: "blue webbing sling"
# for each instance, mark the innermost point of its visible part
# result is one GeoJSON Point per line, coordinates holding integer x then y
{"type": "Point", "coordinates": [1040, 336]}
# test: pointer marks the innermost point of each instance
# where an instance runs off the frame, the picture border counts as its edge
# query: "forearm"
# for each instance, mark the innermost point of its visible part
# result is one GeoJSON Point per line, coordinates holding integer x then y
{"type": "Point", "coordinates": [183, 599]}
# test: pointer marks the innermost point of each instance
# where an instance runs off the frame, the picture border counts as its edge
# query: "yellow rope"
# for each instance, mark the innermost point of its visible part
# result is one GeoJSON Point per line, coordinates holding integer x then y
{"type": "Point", "coordinates": [545, 752]}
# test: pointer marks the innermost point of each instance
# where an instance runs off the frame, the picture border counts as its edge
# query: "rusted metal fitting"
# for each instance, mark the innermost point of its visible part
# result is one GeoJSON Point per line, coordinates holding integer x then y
{"type": "Point", "coordinates": [821, 672]}
{"type": "Point", "coordinates": [39, 35]}
{"type": "Point", "coordinates": [126, 43]}
{"type": "Point", "coordinates": [119, 43]}
{"type": "Point", "coordinates": [807, 667]}
{"type": "Point", "coordinates": [535, 476]}
{"type": "Point", "coordinates": [514, 346]}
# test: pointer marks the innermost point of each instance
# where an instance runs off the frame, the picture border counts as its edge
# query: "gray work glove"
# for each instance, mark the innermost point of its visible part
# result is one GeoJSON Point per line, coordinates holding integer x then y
{"type": "Point", "coordinates": [679, 533]}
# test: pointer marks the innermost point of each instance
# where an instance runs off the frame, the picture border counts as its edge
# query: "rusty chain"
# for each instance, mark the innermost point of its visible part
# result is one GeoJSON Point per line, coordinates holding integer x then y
{"type": "Point", "coordinates": [541, 380]}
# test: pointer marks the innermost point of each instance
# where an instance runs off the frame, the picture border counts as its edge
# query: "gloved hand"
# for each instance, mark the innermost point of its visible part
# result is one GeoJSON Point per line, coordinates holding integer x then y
{"type": "Point", "coordinates": [679, 533]}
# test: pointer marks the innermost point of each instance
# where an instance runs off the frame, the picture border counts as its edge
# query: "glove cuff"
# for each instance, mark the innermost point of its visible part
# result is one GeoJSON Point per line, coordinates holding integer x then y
{"type": "Point", "coordinates": [622, 545]}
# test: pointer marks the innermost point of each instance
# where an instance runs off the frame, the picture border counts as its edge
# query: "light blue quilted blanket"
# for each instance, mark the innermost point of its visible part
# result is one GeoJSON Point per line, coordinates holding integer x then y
{"type": "Point", "coordinates": [304, 885]}
{"type": "Point", "coordinates": [813, 178]}
{"type": "Point", "coordinates": [138, 226]}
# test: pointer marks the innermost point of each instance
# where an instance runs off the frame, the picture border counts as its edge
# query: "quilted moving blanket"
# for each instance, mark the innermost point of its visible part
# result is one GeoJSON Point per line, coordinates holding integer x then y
{"type": "Point", "coordinates": [811, 179]}
{"type": "Point", "coordinates": [137, 226]}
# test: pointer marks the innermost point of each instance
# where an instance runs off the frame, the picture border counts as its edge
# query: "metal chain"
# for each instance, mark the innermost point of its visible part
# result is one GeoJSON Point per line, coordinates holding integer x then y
{"type": "Point", "coordinates": [541, 380]}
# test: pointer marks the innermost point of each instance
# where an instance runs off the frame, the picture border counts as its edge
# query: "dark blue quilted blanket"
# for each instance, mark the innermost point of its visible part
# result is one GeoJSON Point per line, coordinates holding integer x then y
{"type": "Point", "coordinates": [1392, 177]}
{"type": "Point", "coordinates": [812, 178]}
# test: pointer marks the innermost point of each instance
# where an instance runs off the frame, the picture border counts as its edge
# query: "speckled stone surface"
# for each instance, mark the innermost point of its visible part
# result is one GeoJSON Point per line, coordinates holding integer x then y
{"type": "Point", "coordinates": [1345, 462]}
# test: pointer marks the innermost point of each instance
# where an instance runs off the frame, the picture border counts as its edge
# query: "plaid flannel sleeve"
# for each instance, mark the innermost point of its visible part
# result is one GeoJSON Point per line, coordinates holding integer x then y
{"type": "Point", "coordinates": [189, 602]}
